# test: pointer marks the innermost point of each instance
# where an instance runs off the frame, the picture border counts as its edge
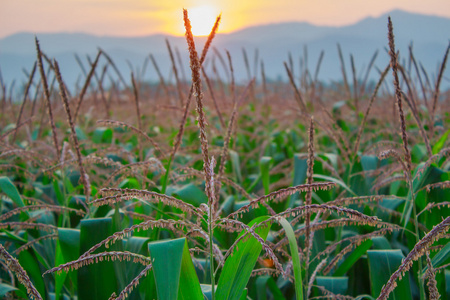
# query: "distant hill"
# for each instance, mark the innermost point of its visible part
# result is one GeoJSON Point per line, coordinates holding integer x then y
{"type": "Point", "coordinates": [429, 35]}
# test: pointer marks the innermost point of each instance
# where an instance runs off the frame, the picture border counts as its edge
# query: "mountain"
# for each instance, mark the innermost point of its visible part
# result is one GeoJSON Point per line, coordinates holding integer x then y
{"type": "Point", "coordinates": [273, 42]}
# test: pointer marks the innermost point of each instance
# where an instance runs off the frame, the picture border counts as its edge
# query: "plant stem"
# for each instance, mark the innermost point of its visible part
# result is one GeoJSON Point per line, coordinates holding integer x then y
{"type": "Point", "coordinates": [155, 236]}
{"type": "Point", "coordinates": [211, 257]}
{"type": "Point", "coordinates": [166, 176]}
{"type": "Point", "coordinates": [416, 230]}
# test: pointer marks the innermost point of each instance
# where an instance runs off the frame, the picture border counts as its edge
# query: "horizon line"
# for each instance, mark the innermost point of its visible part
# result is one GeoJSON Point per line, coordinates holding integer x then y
{"type": "Point", "coordinates": [223, 33]}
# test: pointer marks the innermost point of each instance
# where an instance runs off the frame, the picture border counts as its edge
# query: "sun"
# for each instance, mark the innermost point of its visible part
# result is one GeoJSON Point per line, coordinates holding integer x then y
{"type": "Point", "coordinates": [202, 19]}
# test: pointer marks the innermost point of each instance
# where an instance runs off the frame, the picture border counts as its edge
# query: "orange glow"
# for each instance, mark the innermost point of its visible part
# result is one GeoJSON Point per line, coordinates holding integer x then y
{"type": "Point", "coordinates": [202, 19]}
{"type": "Point", "coordinates": [144, 17]}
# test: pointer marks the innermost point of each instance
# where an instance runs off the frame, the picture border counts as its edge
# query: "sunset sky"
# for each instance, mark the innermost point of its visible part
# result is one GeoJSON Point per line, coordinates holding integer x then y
{"type": "Point", "coordinates": [139, 17]}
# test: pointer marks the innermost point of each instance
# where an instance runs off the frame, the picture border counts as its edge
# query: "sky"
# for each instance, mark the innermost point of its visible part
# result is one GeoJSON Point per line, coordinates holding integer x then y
{"type": "Point", "coordinates": [139, 17]}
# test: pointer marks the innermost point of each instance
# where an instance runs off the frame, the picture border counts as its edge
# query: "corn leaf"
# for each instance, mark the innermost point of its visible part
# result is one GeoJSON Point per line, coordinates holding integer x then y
{"type": "Point", "coordinates": [96, 281]}
{"type": "Point", "coordinates": [336, 285]}
{"type": "Point", "coordinates": [352, 258]}
{"type": "Point", "coordinates": [295, 258]}
{"type": "Point", "coordinates": [264, 167]}
{"type": "Point", "coordinates": [7, 187]}
{"type": "Point", "coordinates": [382, 263]}
{"type": "Point", "coordinates": [447, 283]}
{"type": "Point", "coordinates": [29, 260]}
{"type": "Point", "coordinates": [174, 271]}
{"type": "Point", "coordinates": [191, 194]}
{"type": "Point", "coordinates": [300, 168]}
{"type": "Point", "coordinates": [238, 268]}
{"type": "Point", "coordinates": [207, 292]}
{"type": "Point", "coordinates": [264, 282]}
{"type": "Point", "coordinates": [441, 142]}
{"type": "Point", "coordinates": [6, 288]}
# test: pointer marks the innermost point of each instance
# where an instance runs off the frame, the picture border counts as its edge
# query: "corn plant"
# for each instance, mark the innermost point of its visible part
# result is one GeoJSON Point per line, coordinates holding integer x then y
{"type": "Point", "coordinates": [289, 193]}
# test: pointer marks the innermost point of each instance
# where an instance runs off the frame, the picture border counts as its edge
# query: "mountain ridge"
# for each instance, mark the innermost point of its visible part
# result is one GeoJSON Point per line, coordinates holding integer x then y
{"type": "Point", "coordinates": [273, 41]}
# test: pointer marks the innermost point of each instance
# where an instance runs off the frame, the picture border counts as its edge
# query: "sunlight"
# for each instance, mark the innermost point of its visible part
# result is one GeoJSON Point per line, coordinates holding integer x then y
{"type": "Point", "coordinates": [202, 19]}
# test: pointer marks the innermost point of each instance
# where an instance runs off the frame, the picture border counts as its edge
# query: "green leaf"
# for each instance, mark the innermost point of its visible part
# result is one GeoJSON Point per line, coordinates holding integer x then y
{"type": "Point", "coordinates": [381, 243]}
{"type": "Point", "coordinates": [382, 263]}
{"type": "Point", "coordinates": [70, 243]}
{"type": "Point", "coordinates": [68, 185]}
{"type": "Point", "coordinates": [344, 126]}
{"type": "Point", "coordinates": [102, 135]}
{"type": "Point", "coordinates": [29, 261]}
{"type": "Point", "coordinates": [80, 133]}
{"type": "Point", "coordinates": [300, 168]}
{"type": "Point", "coordinates": [189, 284]}
{"type": "Point", "coordinates": [295, 258]}
{"type": "Point", "coordinates": [264, 167]}
{"type": "Point", "coordinates": [130, 183]}
{"type": "Point", "coordinates": [10, 237]}
{"type": "Point", "coordinates": [174, 271]}
{"type": "Point", "coordinates": [234, 158]}
{"type": "Point", "coordinates": [191, 194]}
{"type": "Point", "coordinates": [264, 282]}
{"type": "Point", "coordinates": [6, 288]}
{"type": "Point", "coordinates": [227, 206]}
{"type": "Point", "coordinates": [441, 142]}
{"type": "Point", "coordinates": [147, 288]}
{"type": "Point", "coordinates": [207, 292]}
{"type": "Point", "coordinates": [337, 181]}
{"type": "Point", "coordinates": [336, 285]}
{"type": "Point", "coordinates": [59, 194]}
{"type": "Point", "coordinates": [69, 248]}
{"type": "Point", "coordinates": [368, 163]}
{"type": "Point", "coordinates": [352, 258]}
{"type": "Point", "coordinates": [96, 281]}
{"type": "Point", "coordinates": [61, 277]}
{"type": "Point", "coordinates": [418, 153]}
{"type": "Point", "coordinates": [447, 283]}
{"type": "Point", "coordinates": [431, 175]}
{"type": "Point", "coordinates": [442, 256]}
{"type": "Point", "coordinates": [167, 256]}
{"type": "Point", "coordinates": [238, 268]}
{"type": "Point", "coordinates": [7, 187]}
